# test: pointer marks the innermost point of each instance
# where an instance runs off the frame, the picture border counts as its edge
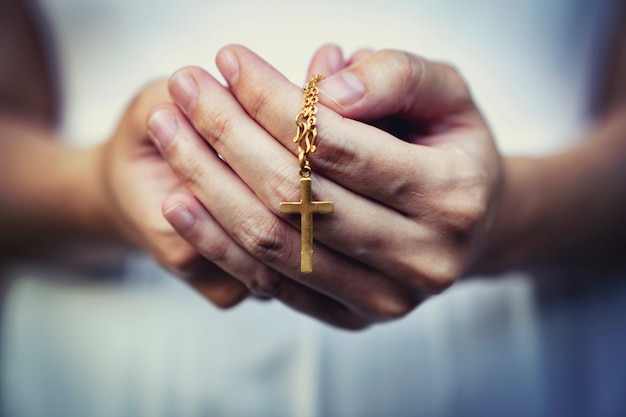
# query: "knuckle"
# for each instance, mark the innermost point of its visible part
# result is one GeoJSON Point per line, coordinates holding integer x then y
{"type": "Point", "coordinates": [265, 284]}
{"type": "Point", "coordinates": [453, 72]}
{"type": "Point", "coordinates": [439, 273]}
{"type": "Point", "coordinates": [216, 250]}
{"type": "Point", "coordinates": [463, 198]}
{"type": "Point", "coordinates": [225, 302]}
{"type": "Point", "coordinates": [467, 210]}
{"type": "Point", "coordinates": [389, 306]}
{"type": "Point", "coordinates": [407, 68]}
{"type": "Point", "coordinates": [217, 126]}
{"type": "Point", "coordinates": [455, 78]}
{"type": "Point", "coordinates": [191, 168]}
{"type": "Point", "coordinates": [405, 190]}
{"type": "Point", "coordinates": [354, 323]}
{"type": "Point", "coordinates": [221, 288]}
{"type": "Point", "coordinates": [264, 240]}
{"type": "Point", "coordinates": [283, 189]}
{"type": "Point", "coordinates": [188, 160]}
{"type": "Point", "coordinates": [177, 258]}
{"type": "Point", "coordinates": [338, 156]}
{"type": "Point", "coordinates": [260, 98]}
{"type": "Point", "coordinates": [474, 210]}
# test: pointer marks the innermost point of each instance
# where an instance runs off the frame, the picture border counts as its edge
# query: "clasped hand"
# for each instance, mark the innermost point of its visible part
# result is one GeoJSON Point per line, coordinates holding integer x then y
{"type": "Point", "coordinates": [403, 153]}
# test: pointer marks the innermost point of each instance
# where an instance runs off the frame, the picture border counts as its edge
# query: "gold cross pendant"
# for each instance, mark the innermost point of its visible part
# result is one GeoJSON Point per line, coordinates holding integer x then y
{"type": "Point", "coordinates": [306, 207]}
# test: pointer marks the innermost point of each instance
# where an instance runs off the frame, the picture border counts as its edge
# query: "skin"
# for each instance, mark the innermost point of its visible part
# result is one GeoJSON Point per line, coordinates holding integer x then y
{"type": "Point", "coordinates": [539, 216]}
{"type": "Point", "coordinates": [413, 244]}
{"type": "Point", "coordinates": [115, 199]}
{"type": "Point", "coordinates": [53, 195]}
{"type": "Point", "coordinates": [439, 200]}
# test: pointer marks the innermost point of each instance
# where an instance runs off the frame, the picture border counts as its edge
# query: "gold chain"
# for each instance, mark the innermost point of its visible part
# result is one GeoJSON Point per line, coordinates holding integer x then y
{"type": "Point", "coordinates": [306, 207]}
{"type": "Point", "coordinates": [306, 122]}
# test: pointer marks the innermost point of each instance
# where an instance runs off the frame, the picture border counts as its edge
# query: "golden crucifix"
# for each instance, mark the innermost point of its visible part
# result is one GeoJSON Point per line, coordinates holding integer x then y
{"type": "Point", "coordinates": [306, 207]}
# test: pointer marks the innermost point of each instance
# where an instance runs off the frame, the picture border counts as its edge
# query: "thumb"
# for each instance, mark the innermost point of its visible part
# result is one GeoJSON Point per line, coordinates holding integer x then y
{"type": "Point", "coordinates": [394, 83]}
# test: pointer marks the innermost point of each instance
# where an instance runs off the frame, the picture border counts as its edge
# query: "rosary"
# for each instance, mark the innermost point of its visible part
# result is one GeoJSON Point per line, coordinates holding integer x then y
{"type": "Point", "coordinates": [305, 138]}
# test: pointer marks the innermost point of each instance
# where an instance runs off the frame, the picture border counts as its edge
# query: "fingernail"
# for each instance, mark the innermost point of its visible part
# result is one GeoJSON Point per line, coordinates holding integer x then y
{"type": "Point", "coordinates": [180, 218]}
{"type": "Point", "coordinates": [162, 127]}
{"type": "Point", "coordinates": [344, 88]}
{"type": "Point", "coordinates": [228, 65]}
{"type": "Point", "coordinates": [183, 88]}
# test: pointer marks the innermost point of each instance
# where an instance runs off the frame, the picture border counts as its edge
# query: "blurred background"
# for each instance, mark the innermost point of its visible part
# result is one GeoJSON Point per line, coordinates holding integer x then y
{"type": "Point", "coordinates": [97, 334]}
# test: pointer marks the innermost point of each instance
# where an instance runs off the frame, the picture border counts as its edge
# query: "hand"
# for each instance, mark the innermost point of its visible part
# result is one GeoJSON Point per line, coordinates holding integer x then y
{"type": "Point", "coordinates": [403, 118]}
{"type": "Point", "coordinates": [136, 180]}
{"type": "Point", "coordinates": [410, 210]}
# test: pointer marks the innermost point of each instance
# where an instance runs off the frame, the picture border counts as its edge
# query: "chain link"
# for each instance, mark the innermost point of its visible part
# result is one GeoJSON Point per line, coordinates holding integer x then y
{"type": "Point", "coordinates": [306, 121]}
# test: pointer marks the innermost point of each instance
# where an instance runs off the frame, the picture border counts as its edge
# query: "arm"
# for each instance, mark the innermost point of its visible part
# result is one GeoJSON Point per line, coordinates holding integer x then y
{"type": "Point", "coordinates": [408, 209]}
{"type": "Point", "coordinates": [41, 197]}
{"type": "Point", "coordinates": [52, 194]}
{"type": "Point", "coordinates": [48, 192]}
{"type": "Point", "coordinates": [569, 207]}
{"type": "Point", "coordinates": [437, 197]}
{"type": "Point", "coordinates": [564, 208]}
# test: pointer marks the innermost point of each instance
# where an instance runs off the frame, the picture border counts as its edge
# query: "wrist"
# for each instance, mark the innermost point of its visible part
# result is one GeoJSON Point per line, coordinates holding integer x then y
{"type": "Point", "coordinates": [50, 192]}
{"type": "Point", "coordinates": [89, 203]}
{"type": "Point", "coordinates": [565, 208]}
{"type": "Point", "coordinates": [514, 210]}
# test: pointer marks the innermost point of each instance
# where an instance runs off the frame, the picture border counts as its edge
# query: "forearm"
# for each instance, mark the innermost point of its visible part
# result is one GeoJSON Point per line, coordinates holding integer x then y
{"type": "Point", "coordinates": [567, 207]}
{"type": "Point", "coordinates": [48, 191]}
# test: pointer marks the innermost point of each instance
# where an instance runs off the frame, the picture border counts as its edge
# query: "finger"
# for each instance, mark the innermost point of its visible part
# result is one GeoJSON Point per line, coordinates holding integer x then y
{"type": "Point", "coordinates": [133, 121]}
{"type": "Point", "coordinates": [218, 287]}
{"type": "Point", "coordinates": [257, 229]}
{"type": "Point", "coordinates": [197, 226]}
{"type": "Point", "coordinates": [327, 60]}
{"type": "Point", "coordinates": [343, 155]}
{"type": "Point", "coordinates": [327, 309]}
{"type": "Point", "coordinates": [180, 210]}
{"type": "Point", "coordinates": [391, 82]}
{"type": "Point", "coordinates": [267, 168]}
{"type": "Point", "coordinates": [160, 240]}
{"type": "Point", "coordinates": [392, 178]}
